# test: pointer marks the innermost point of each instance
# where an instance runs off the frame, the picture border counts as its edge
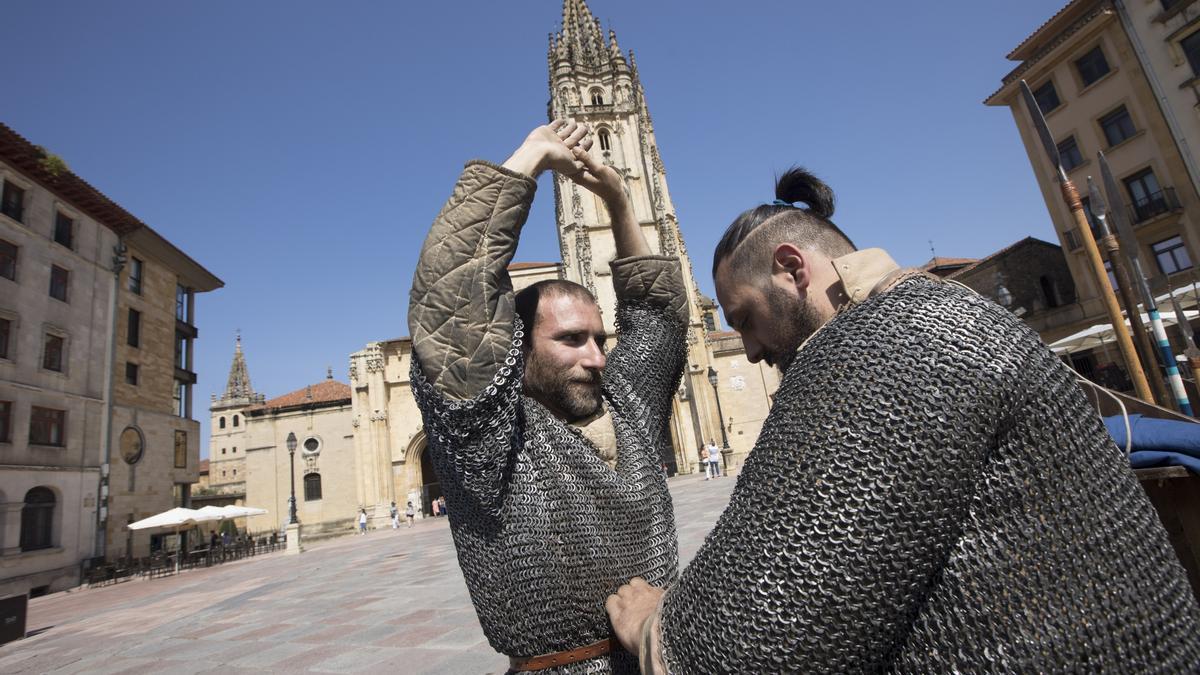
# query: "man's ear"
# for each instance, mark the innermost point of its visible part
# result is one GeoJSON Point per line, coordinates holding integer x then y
{"type": "Point", "coordinates": [790, 260]}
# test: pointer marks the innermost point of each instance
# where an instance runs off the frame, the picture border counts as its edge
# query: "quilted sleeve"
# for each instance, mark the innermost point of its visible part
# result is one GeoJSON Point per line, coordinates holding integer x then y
{"type": "Point", "coordinates": [460, 311]}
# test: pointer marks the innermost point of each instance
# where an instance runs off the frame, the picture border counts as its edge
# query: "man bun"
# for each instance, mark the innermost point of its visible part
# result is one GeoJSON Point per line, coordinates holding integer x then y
{"type": "Point", "coordinates": [799, 185]}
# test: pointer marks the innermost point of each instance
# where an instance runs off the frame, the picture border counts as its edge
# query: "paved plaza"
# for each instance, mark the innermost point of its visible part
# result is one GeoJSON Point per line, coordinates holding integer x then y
{"type": "Point", "coordinates": [385, 602]}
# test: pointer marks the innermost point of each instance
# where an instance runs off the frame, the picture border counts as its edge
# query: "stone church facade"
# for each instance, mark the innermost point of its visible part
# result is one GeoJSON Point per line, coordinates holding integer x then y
{"type": "Point", "coordinates": [593, 81]}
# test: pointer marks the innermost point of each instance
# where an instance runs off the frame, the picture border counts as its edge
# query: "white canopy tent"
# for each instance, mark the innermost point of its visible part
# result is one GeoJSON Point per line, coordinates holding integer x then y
{"type": "Point", "coordinates": [177, 519]}
{"type": "Point", "coordinates": [231, 511]}
{"type": "Point", "coordinates": [1102, 335]}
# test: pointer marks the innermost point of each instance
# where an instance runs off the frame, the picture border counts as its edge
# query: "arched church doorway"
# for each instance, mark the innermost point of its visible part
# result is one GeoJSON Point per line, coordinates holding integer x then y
{"type": "Point", "coordinates": [430, 488]}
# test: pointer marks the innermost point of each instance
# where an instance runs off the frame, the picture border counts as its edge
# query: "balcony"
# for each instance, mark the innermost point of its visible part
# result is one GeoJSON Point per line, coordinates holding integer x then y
{"type": "Point", "coordinates": [1155, 204]}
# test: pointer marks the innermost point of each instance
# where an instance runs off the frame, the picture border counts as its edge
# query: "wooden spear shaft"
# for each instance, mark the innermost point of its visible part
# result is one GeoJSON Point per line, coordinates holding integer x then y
{"type": "Point", "coordinates": [1144, 346]}
{"type": "Point", "coordinates": [1124, 343]}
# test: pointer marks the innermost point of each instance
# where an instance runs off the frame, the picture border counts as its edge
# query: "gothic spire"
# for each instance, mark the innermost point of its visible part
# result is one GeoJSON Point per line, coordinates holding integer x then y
{"type": "Point", "coordinates": [238, 385]}
{"type": "Point", "coordinates": [581, 34]}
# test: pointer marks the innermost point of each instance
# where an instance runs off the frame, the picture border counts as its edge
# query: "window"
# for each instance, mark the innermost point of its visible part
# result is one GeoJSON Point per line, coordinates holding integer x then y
{"type": "Point", "coordinates": [234, 451]}
{"type": "Point", "coordinates": [52, 352]}
{"type": "Point", "coordinates": [46, 426]}
{"type": "Point", "coordinates": [1191, 49]}
{"type": "Point", "coordinates": [222, 473]}
{"type": "Point", "coordinates": [1117, 126]}
{"type": "Point", "coordinates": [222, 451]}
{"type": "Point", "coordinates": [12, 202]}
{"type": "Point", "coordinates": [312, 487]}
{"type": "Point", "coordinates": [136, 269]}
{"type": "Point", "coordinates": [8, 260]}
{"type": "Point", "coordinates": [1072, 237]}
{"type": "Point", "coordinates": [605, 140]}
{"type": "Point", "coordinates": [37, 519]}
{"type": "Point", "coordinates": [1049, 291]}
{"type": "Point", "coordinates": [1092, 66]}
{"type": "Point", "coordinates": [181, 450]}
{"type": "Point", "coordinates": [1145, 195]}
{"type": "Point", "coordinates": [1069, 151]}
{"type": "Point", "coordinates": [597, 97]}
{"type": "Point", "coordinates": [1171, 255]}
{"type": "Point", "coordinates": [60, 279]}
{"type": "Point", "coordinates": [5, 421]}
{"type": "Point", "coordinates": [182, 296]}
{"type": "Point", "coordinates": [235, 420]}
{"type": "Point", "coordinates": [5, 331]}
{"type": "Point", "coordinates": [64, 230]}
{"type": "Point", "coordinates": [180, 351]}
{"type": "Point", "coordinates": [179, 399]}
{"type": "Point", "coordinates": [221, 423]}
{"type": "Point", "coordinates": [133, 331]}
{"type": "Point", "coordinates": [710, 321]}
{"type": "Point", "coordinates": [235, 472]}
{"type": "Point", "coordinates": [1047, 97]}
{"type": "Point", "coordinates": [131, 374]}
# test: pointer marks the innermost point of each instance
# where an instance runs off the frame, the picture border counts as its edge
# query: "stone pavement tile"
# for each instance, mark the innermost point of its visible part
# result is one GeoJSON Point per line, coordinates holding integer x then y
{"type": "Point", "coordinates": [334, 634]}
{"type": "Point", "coordinates": [153, 648]}
{"type": "Point", "coordinates": [471, 662]}
{"type": "Point", "coordinates": [369, 635]}
{"type": "Point", "coordinates": [355, 660]}
{"type": "Point", "coordinates": [40, 662]}
{"type": "Point", "coordinates": [413, 636]}
{"type": "Point", "coordinates": [254, 634]}
{"type": "Point", "coordinates": [411, 660]}
{"type": "Point", "coordinates": [354, 616]}
{"type": "Point", "coordinates": [266, 656]}
{"type": "Point", "coordinates": [202, 651]}
{"type": "Point", "coordinates": [458, 638]}
{"type": "Point", "coordinates": [311, 657]}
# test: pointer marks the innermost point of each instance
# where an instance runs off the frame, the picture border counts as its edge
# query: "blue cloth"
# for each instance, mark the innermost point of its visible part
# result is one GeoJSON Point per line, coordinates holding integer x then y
{"type": "Point", "coordinates": [1158, 442]}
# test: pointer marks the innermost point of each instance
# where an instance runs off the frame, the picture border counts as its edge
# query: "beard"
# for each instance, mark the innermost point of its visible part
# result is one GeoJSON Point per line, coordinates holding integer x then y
{"type": "Point", "coordinates": [572, 396]}
{"type": "Point", "coordinates": [799, 321]}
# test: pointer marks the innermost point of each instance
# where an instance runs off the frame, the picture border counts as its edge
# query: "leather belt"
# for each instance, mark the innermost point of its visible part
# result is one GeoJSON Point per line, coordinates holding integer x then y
{"type": "Point", "coordinates": [527, 663]}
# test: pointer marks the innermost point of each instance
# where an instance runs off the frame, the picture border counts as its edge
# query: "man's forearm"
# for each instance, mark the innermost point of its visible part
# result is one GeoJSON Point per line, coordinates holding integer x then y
{"type": "Point", "coordinates": [627, 233]}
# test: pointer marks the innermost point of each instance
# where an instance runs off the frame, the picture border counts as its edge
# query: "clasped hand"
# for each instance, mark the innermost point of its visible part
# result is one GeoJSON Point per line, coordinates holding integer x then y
{"type": "Point", "coordinates": [563, 146]}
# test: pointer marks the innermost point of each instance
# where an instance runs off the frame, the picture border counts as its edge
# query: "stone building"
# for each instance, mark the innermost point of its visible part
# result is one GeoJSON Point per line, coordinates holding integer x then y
{"type": "Point", "coordinates": [81, 447]}
{"type": "Point", "coordinates": [1031, 279]}
{"type": "Point", "coordinates": [1122, 77]}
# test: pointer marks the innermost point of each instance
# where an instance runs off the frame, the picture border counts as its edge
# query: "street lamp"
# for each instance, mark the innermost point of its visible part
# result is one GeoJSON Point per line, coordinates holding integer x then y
{"type": "Point", "coordinates": [712, 379]}
{"type": "Point", "coordinates": [291, 446]}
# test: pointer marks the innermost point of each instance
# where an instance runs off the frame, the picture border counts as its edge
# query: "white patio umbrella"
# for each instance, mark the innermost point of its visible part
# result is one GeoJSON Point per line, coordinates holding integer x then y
{"type": "Point", "coordinates": [1185, 294]}
{"type": "Point", "coordinates": [1102, 334]}
{"type": "Point", "coordinates": [177, 519]}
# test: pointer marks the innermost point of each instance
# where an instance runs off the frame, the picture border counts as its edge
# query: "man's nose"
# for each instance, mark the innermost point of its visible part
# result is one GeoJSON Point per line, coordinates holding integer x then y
{"type": "Point", "coordinates": [753, 349]}
{"type": "Point", "coordinates": [594, 358]}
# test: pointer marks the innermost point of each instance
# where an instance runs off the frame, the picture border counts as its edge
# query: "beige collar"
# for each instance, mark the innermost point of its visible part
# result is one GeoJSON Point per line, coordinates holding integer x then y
{"type": "Point", "coordinates": [865, 273]}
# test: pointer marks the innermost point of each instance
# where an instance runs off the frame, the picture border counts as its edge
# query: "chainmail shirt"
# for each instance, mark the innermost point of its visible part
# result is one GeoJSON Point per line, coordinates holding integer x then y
{"type": "Point", "coordinates": [932, 492]}
{"type": "Point", "coordinates": [545, 529]}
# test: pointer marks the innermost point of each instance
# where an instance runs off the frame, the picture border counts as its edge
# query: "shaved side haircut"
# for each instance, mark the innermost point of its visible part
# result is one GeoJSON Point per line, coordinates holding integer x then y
{"type": "Point", "coordinates": [750, 240]}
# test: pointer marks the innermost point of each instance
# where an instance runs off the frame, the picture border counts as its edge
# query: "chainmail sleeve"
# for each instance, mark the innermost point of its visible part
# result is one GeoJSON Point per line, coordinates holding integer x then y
{"type": "Point", "coordinates": [851, 499]}
{"type": "Point", "coordinates": [644, 367]}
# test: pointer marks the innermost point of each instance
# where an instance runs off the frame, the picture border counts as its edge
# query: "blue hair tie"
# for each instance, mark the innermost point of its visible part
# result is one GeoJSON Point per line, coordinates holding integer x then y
{"type": "Point", "coordinates": [780, 202]}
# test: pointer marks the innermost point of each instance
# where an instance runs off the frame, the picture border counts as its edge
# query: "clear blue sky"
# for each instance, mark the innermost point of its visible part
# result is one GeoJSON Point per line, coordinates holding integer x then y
{"type": "Point", "coordinates": [300, 149]}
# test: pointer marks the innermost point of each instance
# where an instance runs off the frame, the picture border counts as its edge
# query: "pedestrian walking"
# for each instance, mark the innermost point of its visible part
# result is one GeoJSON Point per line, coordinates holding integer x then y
{"type": "Point", "coordinates": [362, 521]}
{"type": "Point", "coordinates": [411, 514]}
{"type": "Point", "coordinates": [395, 513]}
{"type": "Point", "coordinates": [714, 458]}
{"type": "Point", "coordinates": [441, 502]}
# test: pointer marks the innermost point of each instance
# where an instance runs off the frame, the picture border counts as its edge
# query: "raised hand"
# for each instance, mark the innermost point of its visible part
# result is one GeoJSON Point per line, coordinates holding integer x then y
{"type": "Point", "coordinates": [598, 177]}
{"type": "Point", "coordinates": [549, 147]}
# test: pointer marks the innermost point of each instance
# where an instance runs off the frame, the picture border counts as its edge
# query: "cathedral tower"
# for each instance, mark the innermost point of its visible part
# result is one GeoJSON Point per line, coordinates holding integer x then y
{"type": "Point", "coordinates": [592, 81]}
{"type": "Point", "coordinates": [227, 438]}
